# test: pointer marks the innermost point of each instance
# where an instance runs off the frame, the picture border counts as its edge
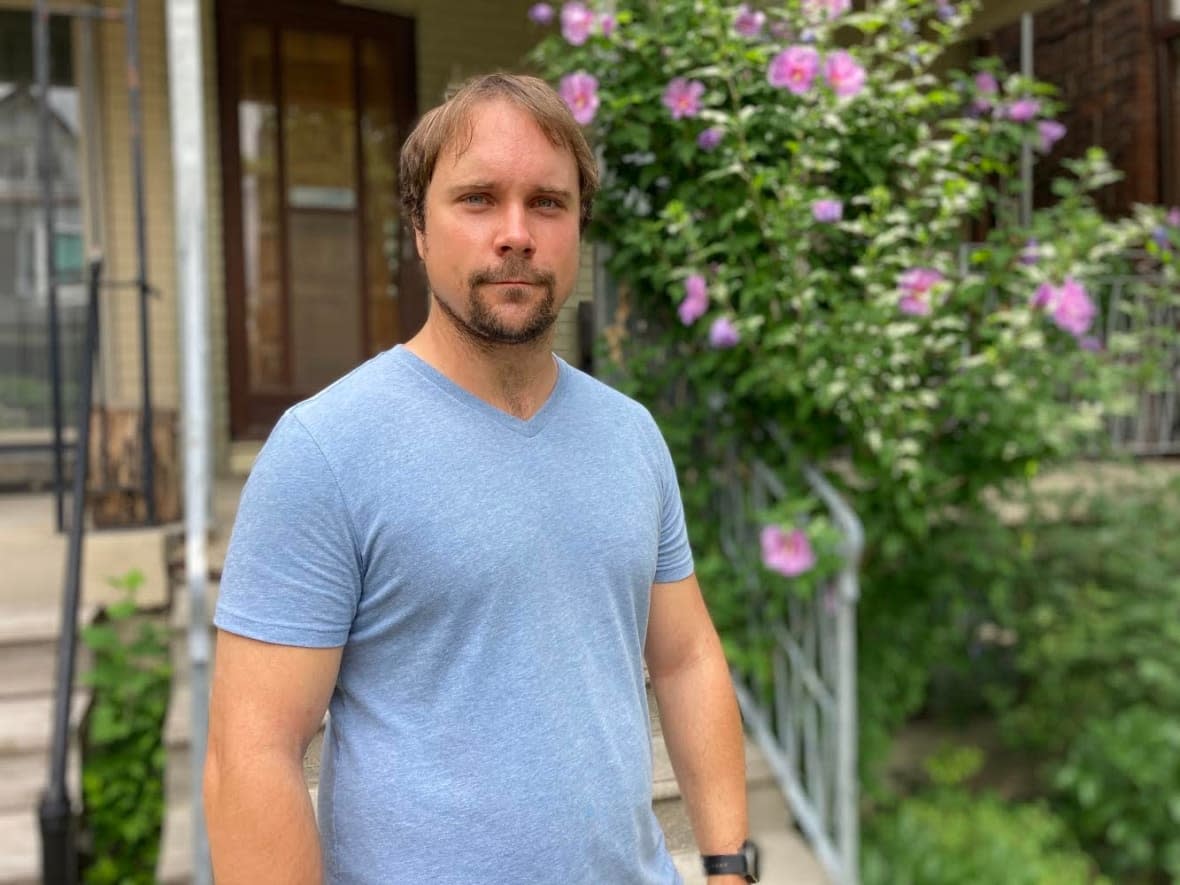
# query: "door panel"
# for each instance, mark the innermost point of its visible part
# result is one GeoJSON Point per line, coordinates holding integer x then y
{"type": "Point", "coordinates": [316, 100]}
{"type": "Point", "coordinates": [261, 239]}
{"type": "Point", "coordinates": [323, 251]}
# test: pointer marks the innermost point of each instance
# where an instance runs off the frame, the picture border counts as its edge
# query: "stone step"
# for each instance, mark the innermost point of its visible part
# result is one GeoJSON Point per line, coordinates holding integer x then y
{"type": "Point", "coordinates": [26, 722]}
{"type": "Point", "coordinates": [20, 848]}
{"type": "Point", "coordinates": [24, 776]}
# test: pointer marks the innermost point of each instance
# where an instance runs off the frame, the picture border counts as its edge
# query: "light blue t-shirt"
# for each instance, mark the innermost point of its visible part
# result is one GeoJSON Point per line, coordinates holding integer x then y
{"type": "Point", "coordinates": [489, 579]}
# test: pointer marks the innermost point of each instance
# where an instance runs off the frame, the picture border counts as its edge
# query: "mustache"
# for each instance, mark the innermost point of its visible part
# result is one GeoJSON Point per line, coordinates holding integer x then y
{"type": "Point", "coordinates": [512, 270]}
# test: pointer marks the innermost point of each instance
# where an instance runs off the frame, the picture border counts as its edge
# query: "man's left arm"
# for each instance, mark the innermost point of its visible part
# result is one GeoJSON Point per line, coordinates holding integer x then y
{"type": "Point", "coordinates": [699, 712]}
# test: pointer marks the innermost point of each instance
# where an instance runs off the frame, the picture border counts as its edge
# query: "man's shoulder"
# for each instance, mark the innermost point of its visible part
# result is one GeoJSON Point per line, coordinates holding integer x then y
{"type": "Point", "coordinates": [365, 393]}
{"type": "Point", "coordinates": [608, 400]}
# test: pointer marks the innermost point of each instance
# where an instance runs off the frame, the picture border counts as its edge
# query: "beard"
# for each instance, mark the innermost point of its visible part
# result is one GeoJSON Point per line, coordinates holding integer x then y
{"type": "Point", "coordinates": [483, 326]}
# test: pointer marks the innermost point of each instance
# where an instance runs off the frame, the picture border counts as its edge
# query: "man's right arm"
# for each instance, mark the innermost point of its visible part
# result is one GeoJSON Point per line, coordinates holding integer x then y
{"type": "Point", "coordinates": [268, 702]}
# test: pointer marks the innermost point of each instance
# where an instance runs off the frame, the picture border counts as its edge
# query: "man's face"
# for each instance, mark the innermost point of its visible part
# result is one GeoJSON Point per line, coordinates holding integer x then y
{"type": "Point", "coordinates": [501, 234]}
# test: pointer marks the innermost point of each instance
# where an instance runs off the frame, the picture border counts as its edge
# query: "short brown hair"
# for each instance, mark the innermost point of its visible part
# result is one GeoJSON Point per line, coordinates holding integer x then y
{"type": "Point", "coordinates": [449, 126]}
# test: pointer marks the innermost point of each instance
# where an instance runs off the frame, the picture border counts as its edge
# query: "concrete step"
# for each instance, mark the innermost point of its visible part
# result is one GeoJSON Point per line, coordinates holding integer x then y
{"type": "Point", "coordinates": [20, 848]}
{"type": "Point", "coordinates": [23, 777]}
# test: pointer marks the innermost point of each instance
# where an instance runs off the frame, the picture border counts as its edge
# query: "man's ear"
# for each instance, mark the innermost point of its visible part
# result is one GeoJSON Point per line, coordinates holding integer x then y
{"type": "Point", "coordinates": [420, 243]}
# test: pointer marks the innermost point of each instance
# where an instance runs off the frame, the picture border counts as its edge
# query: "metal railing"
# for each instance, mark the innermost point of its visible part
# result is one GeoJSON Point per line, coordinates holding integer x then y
{"type": "Point", "coordinates": [805, 719]}
{"type": "Point", "coordinates": [1153, 427]}
{"type": "Point", "coordinates": [59, 850]}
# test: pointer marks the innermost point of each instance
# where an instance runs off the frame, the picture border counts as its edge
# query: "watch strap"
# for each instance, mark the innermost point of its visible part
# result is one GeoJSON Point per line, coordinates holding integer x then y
{"type": "Point", "coordinates": [733, 864]}
{"type": "Point", "coordinates": [724, 864]}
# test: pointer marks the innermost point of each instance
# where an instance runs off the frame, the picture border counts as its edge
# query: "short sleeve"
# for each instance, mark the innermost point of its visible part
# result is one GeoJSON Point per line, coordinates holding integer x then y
{"type": "Point", "coordinates": [675, 555]}
{"type": "Point", "coordinates": [292, 573]}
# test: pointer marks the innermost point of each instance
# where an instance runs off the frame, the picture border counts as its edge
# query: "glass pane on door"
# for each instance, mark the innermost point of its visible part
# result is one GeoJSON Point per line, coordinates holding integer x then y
{"type": "Point", "coordinates": [323, 230]}
{"type": "Point", "coordinates": [380, 142]}
{"type": "Point", "coordinates": [261, 226]}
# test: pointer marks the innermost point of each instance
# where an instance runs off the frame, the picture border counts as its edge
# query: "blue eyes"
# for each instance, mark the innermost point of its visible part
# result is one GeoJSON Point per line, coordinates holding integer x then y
{"type": "Point", "coordinates": [483, 199]}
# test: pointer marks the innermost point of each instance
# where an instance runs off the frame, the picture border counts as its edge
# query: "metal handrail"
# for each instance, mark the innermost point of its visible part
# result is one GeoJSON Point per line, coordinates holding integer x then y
{"type": "Point", "coordinates": [824, 805]}
{"type": "Point", "coordinates": [59, 853]}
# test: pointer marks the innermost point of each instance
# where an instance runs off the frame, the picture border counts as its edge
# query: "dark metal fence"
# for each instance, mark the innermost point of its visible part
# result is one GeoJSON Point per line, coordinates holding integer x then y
{"type": "Point", "coordinates": [26, 399]}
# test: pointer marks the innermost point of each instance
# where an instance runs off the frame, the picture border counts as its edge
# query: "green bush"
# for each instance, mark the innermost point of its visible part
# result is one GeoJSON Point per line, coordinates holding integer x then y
{"type": "Point", "coordinates": [123, 754]}
{"type": "Point", "coordinates": [1093, 600]}
{"type": "Point", "coordinates": [1062, 626]}
{"type": "Point", "coordinates": [1093, 605]}
{"type": "Point", "coordinates": [1119, 787]}
{"type": "Point", "coordinates": [949, 837]}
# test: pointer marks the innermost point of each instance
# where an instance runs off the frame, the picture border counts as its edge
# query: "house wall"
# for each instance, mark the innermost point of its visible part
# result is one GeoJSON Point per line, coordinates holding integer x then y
{"type": "Point", "coordinates": [1101, 55]}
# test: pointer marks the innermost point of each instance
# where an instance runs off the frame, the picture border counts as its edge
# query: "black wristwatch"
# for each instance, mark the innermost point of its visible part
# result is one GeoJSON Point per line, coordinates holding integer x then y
{"type": "Point", "coordinates": [743, 864]}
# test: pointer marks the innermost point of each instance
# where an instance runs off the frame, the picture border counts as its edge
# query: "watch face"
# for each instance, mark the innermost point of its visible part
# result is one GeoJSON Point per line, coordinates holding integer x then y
{"type": "Point", "coordinates": [750, 850]}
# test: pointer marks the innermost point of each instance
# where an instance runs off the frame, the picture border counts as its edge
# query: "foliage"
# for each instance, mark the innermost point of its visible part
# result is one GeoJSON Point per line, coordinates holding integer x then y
{"type": "Point", "coordinates": [1092, 600]}
{"type": "Point", "coordinates": [947, 836]}
{"type": "Point", "coordinates": [1091, 604]}
{"type": "Point", "coordinates": [1120, 789]}
{"type": "Point", "coordinates": [950, 837]}
{"type": "Point", "coordinates": [1062, 625]}
{"type": "Point", "coordinates": [123, 759]}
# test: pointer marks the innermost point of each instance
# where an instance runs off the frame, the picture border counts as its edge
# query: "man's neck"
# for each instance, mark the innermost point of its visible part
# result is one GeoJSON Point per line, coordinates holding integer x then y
{"type": "Point", "coordinates": [515, 378]}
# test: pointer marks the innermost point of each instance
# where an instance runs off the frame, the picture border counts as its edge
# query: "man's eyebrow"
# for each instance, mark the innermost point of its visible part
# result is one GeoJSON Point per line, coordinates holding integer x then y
{"type": "Point", "coordinates": [471, 186]}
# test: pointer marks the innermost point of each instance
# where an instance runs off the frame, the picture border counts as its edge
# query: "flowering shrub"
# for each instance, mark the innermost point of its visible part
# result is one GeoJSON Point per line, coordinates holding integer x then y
{"type": "Point", "coordinates": [786, 196]}
{"type": "Point", "coordinates": [789, 195]}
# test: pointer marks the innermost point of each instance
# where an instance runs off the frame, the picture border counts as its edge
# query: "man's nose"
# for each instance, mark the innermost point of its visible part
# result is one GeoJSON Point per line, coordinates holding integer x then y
{"type": "Point", "coordinates": [514, 234]}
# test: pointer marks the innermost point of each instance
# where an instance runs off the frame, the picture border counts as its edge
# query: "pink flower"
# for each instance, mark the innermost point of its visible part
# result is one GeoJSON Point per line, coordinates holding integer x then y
{"type": "Point", "coordinates": [827, 211]}
{"type": "Point", "coordinates": [1022, 110]}
{"type": "Point", "coordinates": [1044, 297]}
{"type": "Point", "coordinates": [846, 77]}
{"type": "Point", "coordinates": [1072, 309]}
{"type": "Point", "coordinates": [1174, 216]}
{"type": "Point", "coordinates": [1031, 253]}
{"type": "Point", "coordinates": [723, 334]}
{"type": "Point", "coordinates": [580, 93]}
{"type": "Point", "coordinates": [607, 24]}
{"type": "Point", "coordinates": [709, 139]}
{"type": "Point", "coordinates": [794, 69]}
{"type": "Point", "coordinates": [696, 300]}
{"type": "Point", "coordinates": [788, 553]}
{"type": "Point", "coordinates": [749, 21]}
{"type": "Point", "coordinates": [576, 23]}
{"type": "Point", "coordinates": [683, 97]}
{"type": "Point", "coordinates": [915, 285]}
{"type": "Point", "coordinates": [541, 13]}
{"type": "Point", "coordinates": [1051, 132]}
{"type": "Point", "coordinates": [986, 86]}
{"type": "Point", "coordinates": [829, 9]}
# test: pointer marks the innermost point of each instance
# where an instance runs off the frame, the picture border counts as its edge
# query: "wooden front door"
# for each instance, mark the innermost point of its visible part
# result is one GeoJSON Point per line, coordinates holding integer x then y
{"type": "Point", "coordinates": [321, 274]}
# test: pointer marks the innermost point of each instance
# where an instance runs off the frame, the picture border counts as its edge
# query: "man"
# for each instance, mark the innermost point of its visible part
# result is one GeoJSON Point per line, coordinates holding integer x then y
{"type": "Point", "coordinates": [465, 548]}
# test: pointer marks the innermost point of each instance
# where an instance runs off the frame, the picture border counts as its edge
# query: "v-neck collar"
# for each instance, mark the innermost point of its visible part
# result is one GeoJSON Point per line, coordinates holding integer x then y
{"type": "Point", "coordinates": [525, 427]}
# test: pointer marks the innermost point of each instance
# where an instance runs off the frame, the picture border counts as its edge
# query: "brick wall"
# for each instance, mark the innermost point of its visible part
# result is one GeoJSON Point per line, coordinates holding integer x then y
{"type": "Point", "coordinates": [1101, 55]}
